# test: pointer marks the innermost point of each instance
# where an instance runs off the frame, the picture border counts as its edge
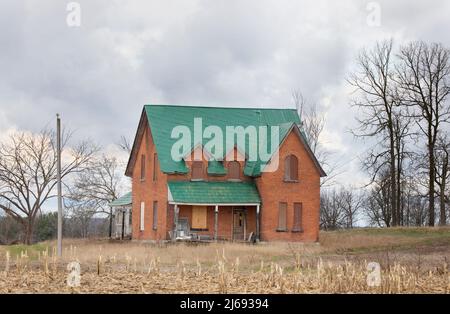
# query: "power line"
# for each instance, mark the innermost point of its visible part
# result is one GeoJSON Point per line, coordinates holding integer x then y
{"type": "Point", "coordinates": [58, 145]}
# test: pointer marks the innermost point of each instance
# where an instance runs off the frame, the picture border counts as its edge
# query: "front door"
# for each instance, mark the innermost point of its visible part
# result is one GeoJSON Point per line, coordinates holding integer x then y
{"type": "Point", "coordinates": [239, 224]}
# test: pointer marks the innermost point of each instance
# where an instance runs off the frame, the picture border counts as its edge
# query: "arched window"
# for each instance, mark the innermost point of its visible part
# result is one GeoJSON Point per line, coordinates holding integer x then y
{"type": "Point", "coordinates": [234, 170]}
{"type": "Point", "coordinates": [197, 170]}
{"type": "Point", "coordinates": [291, 168]}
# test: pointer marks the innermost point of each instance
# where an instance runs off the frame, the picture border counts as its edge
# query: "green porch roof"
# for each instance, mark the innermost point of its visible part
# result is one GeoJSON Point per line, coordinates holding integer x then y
{"type": "Point", "coordinates": [122, 201]}
{"type": "Point", "coordinates": [163, 118]}
{"type": "Point", "coordinates": [202, 192]}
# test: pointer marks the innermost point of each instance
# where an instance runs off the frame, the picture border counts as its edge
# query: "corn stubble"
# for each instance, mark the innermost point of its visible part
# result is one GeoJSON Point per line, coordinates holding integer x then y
{"type": "Point", "coordinates": [115, 274]}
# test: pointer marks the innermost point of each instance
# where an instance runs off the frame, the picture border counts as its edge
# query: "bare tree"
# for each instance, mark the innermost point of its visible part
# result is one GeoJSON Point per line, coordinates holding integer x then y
{"type": "Point", "coordinates": [340, 208]}
{"type": "Point", "coordinates": [378, 207]}
{"type": "Point", "coordinates": [378, 103]}
{"type": "Point", "coordinates": [94, 188]}
{"type": "Point", "coordinates": [28, 173]}
{"type": "Point", "coordinates": [404, 157]}
{"type": "Point", "coordinates": [80, 212]}
{"type": "Point", "coordinates": [331, 213]}
{"type": "Point", "coordinates": [124, 144]}
{"type": "Point", "coordinates": [417, 208]}
{"type": "Point", "coordinates": [313, 124]}
{"type": "Point", "coordinates": [424, 77]}
{"type": "Point", "coordinates": [442, 175]}
{"type": "Point", "coordinates": [10, 230]}
{"type": "Point", "coordinates": [351, 204]}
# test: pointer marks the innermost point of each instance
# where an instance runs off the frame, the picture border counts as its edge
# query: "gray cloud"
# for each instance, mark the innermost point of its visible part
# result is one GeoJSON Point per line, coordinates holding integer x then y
{"type": "Point", "coordinates": [227, 53]}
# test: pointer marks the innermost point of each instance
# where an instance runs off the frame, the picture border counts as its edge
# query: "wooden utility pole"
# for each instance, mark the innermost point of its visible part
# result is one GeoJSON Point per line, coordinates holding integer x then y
{"type": "Point", "coordinates": [60, 214]}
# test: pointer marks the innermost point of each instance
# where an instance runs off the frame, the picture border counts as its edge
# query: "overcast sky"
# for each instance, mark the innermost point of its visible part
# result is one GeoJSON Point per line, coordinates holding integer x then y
{"type": "Point", "coordinates": [202, 52]}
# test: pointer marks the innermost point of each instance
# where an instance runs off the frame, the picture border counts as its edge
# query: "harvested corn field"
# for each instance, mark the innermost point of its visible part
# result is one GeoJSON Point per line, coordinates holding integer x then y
{"type": "Point", "coordinates": [322, 279]}
{"type": "Point", "coordinates": [409, 262]}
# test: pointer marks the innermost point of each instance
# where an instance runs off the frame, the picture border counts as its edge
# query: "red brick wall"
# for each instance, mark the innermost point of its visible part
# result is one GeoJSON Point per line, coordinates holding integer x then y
{"type": "Point", "coordinates": [271, 187]}
{"type": "Point", "coordinates": [148, 191]}
{"type": "Point", "coordinates": [273, 190]}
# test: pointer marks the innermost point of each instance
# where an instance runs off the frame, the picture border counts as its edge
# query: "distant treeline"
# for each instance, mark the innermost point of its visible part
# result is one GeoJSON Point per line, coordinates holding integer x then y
{"type": "Point", "coordinates": [11, 232]}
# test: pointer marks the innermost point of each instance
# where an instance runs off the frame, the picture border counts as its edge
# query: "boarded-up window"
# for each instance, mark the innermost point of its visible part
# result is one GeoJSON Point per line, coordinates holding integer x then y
{"type": "Point", "coordinates": [142, 167]}
{"type": "Point", "coordinates": [197, 170]}
{"type": "Point", "coordinates": [155, 167]}
{"type": "Point", "coordinates": [298, 209]}
{"type": "Point", "coordinates": [142, 225]}
{"type": "Point", "coordinates": [282, 217]}
{"type": "Point", "coordinates": [199, 217]}
{"type": "Point", "coordinates": [155, 215]}
{"type": "Point", "coordinates": [291, 168]}
{"type": "Point", "coordinates": [234, 170]}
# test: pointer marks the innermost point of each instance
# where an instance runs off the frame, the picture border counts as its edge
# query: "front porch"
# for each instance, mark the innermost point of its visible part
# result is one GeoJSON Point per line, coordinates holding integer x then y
{"type": "Point", "coordinates": [212, 211]}
{"type": "Point", "coordinates": [215, 222]}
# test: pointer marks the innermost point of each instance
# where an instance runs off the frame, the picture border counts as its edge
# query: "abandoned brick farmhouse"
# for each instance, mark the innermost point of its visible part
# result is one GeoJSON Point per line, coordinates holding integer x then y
{"type": "Point", "coordinates": [205, 197]}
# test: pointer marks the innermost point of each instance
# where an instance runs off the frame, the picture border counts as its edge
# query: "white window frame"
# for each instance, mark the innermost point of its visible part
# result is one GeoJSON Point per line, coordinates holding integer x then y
{"type": "Point", "coordinates": [142, 224]}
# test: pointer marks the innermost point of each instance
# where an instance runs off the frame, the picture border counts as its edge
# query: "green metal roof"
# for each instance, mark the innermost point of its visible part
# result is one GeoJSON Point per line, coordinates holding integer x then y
{"type": "Point", "coordinates": [202, 192]}
{"type": "Point", "coordinates": [122, 201]}
{"type": "Point", "coordinates": [163, 118]}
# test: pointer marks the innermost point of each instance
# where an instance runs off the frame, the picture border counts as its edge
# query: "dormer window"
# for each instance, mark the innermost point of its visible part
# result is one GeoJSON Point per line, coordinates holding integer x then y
{"type": "Point", "coordinates": [197, 170]}
{"type": "Point", "coordinates": [234, 170]}
{"type": "Point", "coordinates": [291, 169]}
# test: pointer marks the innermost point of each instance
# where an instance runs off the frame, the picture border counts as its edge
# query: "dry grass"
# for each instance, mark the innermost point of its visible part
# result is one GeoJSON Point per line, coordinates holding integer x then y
{"type": "Point", "coordinates": [412, 261]}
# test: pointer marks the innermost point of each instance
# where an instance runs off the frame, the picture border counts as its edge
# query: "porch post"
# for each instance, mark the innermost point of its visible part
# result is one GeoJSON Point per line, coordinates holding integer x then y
{"type": "Point", "coordinates": [257, 222]}
{"type": "Point", "coordinates": [216, 221]}
{"type": "Point", "coordinates": [123, 223]}
{"type": "Point", "coordinates": [175, 221]}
